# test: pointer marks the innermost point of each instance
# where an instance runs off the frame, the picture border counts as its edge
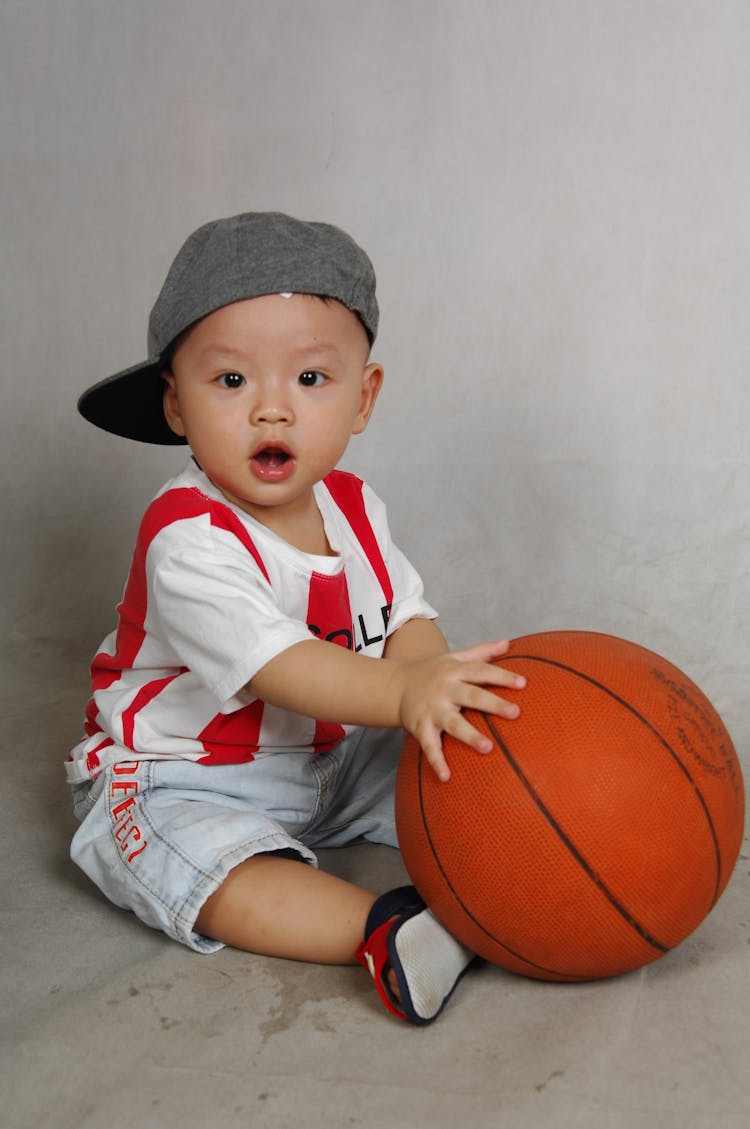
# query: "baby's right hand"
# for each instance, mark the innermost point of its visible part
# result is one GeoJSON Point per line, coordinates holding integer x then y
{"type": "Point", "coordinates": [436, 690]}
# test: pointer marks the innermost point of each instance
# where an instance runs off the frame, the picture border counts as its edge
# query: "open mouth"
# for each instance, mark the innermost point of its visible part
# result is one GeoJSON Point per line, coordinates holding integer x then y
{"type": "Point", "coordinates": [272, 464]}
{"type": "Point", "coordinates": [272, 457]}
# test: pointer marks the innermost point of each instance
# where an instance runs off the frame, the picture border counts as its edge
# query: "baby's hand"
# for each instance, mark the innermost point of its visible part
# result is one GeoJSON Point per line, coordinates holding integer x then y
{"type": "Point", "coordinates": [436, 690]}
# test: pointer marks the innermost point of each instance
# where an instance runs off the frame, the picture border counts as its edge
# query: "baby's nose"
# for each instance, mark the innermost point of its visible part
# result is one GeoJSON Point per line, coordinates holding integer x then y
{"type": "Point", "coordinates": [272, 411]}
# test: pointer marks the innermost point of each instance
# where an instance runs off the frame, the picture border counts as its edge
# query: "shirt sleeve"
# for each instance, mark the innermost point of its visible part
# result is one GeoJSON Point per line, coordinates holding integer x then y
{"type": "Point", "coordinates": [408, 590]}
{"type": "Point", "coordinates": [214, 608]}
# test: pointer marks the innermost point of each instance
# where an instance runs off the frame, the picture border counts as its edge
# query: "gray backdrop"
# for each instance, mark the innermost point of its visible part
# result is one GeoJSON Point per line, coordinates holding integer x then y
{"type": "Point", "coordinates": [555, 195]}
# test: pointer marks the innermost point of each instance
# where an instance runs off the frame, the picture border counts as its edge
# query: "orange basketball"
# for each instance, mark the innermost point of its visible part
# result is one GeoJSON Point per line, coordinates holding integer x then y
{"type": "Point", "coordinates": [600, 831]}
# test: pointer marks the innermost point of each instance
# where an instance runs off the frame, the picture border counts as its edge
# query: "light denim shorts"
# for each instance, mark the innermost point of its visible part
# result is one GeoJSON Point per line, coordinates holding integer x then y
{"type": "Point", "coordinates": [159, 837]}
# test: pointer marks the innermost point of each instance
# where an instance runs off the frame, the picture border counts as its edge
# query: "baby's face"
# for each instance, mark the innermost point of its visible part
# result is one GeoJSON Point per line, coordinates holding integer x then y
{"type": "Point", "coordinates": [268, 392]}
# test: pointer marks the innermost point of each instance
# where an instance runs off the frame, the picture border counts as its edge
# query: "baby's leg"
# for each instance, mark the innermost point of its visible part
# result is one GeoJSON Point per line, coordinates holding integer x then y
{"type": "Point", "coordinates": [274, 905]}
{"type": "Point", "coordinates": [277, 906]}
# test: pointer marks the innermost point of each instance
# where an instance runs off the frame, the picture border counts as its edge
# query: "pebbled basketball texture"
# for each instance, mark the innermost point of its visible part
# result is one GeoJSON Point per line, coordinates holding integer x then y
{"type": "Point", "coordinates": [600, 831]}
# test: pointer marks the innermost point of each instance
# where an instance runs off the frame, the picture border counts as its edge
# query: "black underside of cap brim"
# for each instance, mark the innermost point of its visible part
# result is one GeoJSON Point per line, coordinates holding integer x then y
{"type": "Point", "coordinates": [130, 404]}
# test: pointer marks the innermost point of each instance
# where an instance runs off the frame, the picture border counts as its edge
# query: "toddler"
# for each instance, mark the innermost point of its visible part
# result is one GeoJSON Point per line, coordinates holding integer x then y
{"type": "Point", "coordinates": [272, 642]}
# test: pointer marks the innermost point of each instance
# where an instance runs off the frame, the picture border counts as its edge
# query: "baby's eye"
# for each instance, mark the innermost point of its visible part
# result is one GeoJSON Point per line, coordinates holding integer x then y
{"type": "Point", "coordinates": [230, 380]}
{"type": "Point", "coordinates": [311, 378]}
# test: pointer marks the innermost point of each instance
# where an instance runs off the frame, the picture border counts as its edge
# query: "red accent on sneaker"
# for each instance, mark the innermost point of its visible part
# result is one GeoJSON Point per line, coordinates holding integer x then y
{"type": "Point", "coordinates": [373, 955]}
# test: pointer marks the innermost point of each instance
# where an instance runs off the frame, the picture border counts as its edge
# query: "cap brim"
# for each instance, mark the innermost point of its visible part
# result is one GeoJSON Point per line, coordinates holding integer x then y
{"type": "Point", "coordinates": [130, 404]}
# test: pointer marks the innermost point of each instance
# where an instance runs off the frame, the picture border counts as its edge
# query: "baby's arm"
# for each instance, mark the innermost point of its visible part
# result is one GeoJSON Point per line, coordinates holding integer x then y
{"type": "Point", "coordinates": [418, 684]}
{"type": "Point", "coordinates": [417, 639]}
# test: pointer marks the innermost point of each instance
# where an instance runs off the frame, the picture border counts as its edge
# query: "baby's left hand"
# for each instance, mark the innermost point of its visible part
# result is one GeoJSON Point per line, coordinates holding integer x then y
{"type": "Point", "coordinates": [438, 689]}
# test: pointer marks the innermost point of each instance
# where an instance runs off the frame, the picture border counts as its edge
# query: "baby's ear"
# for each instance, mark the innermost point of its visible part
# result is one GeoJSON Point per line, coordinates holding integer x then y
{"type": "Point", "coordinates": [172, 404]}
{"type": "Point", "coordinates": [372, 381]}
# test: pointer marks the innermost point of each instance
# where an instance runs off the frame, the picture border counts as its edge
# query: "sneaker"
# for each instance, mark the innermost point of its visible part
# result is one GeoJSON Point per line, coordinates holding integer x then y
{"type": "Point", "coordinates": [402, 934]}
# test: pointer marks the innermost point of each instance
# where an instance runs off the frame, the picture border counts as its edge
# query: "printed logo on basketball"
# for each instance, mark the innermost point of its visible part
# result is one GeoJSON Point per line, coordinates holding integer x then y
{"type": "Point", "coordinates": [699, 736]}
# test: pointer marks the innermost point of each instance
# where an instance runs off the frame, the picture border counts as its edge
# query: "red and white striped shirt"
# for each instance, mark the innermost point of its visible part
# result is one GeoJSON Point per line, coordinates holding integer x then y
{"type": "Point", "coordinates": [211, 597]}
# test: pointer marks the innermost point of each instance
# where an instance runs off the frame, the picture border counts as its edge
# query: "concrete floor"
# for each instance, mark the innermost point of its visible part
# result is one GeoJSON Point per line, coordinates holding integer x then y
{"type": "Point", "coordinates": [107, 1025]}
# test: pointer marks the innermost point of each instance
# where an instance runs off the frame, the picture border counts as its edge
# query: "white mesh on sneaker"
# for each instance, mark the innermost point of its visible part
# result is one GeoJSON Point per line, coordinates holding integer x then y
{"type": "Point", "coordinates": [432, 961]}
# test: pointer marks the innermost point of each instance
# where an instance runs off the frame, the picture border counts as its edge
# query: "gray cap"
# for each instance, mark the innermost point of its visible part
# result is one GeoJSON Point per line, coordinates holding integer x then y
{"type": "Point", "coordinates": [226, 261]}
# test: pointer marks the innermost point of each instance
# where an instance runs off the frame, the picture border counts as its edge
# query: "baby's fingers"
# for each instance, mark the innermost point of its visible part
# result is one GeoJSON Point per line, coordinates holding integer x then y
{"type": "Point", "coordinates": [483, 652]}
{"type": "Point", "coordinates": [462, 730]}
{"type": "Point", "coordinates": [480, 701]}
{"type": "Point", "coordinates": [485, 701]}
{"type": "Point", "coordinates": [459, 726]}
{"type": "Point", "coordinates": [484, 674]}
{"type": "Point", "coordinates": [432, 746]}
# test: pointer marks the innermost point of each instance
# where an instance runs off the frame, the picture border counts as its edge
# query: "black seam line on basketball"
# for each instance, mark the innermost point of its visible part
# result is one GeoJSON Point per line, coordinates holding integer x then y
{"type": "Point", "coordinates": [675, 756]}
{"type": "Point", "coordinates": [496, 940]}
{"type": "Point", "coordinates": [568, 842]}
